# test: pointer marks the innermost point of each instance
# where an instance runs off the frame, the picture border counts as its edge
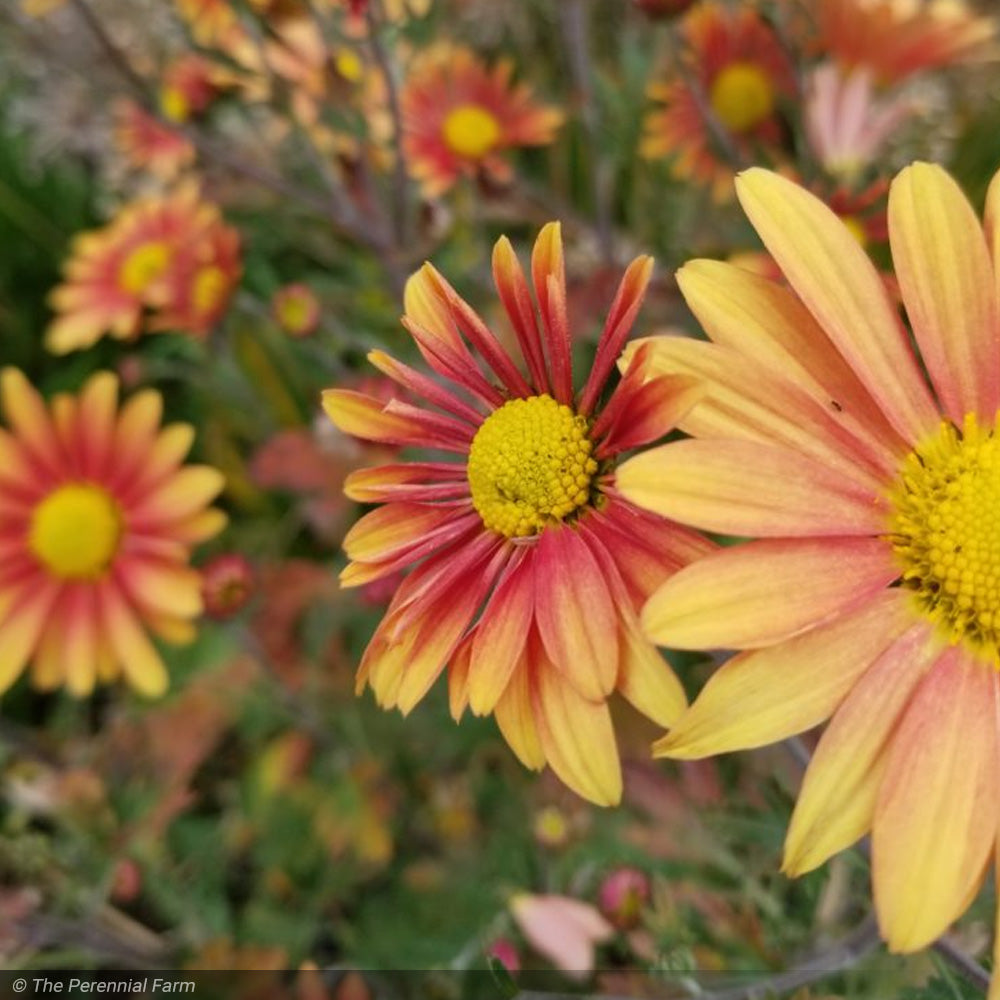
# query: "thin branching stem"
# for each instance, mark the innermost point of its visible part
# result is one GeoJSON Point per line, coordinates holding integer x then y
{"type": "Point", "coordinates": [576, 33]}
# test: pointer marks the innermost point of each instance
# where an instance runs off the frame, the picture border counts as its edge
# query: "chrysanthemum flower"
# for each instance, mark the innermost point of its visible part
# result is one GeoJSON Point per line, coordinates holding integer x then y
{"type": "Point", "coordinates": [847, 123]}
{"type": "Point", "coordinates": [742, 73]}
{"type": "Point", "coordinates": [164, 262]}
{"type": "Point", "coordinates": [529, 566]}
{"type": "Point", "coordinates": [190, 84]}
{"type": "Point", "coordinates": [897, 38]}
{"type": "Point", "coordinates": [97, 520]}
{"type": "Point", "coordinates": [459, 117]}
{"type": "Point", "coordinates": [148, 144]}
{"type": "Point", "coordinates": [867, 471]}
{"type": "Point", "coordinates": [296, 309]}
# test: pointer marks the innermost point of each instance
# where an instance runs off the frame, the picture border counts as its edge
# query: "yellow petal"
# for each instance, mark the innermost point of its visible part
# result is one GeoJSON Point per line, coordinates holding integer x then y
{"type": "Point", "coordinates": [765, 321]}
{"type": "Point", "coordinates": [132, 648]}
{"type": "Point", "coordinates": [839, 285]}
{"type": "Point", "coordinates": [765, 592]}
{"type": "Point", "coordinates": [770, 694]}
{"type": "Point", "coordinates": [751, 489]}
{"type": "Point", "coordinates": [516, 719]}
{"type": "Point", "coordinates": [946, 277]}
{"type": "Point", "coordinates": [21, 630]}
{"type": "Point", "coordinates": [837, 800]}
{"type": "Point", "coordinates": [936, 819]}
{"type": "Point", "coordinates": [577, 737]}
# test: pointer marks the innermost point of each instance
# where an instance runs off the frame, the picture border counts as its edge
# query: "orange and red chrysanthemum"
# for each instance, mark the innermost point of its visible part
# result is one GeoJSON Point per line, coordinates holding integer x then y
{"type": "Point", "coordinates": [866, 467]}
{"type": "Point", "coordinates": [897, 38]}
{"type": "Point", "coordinates": [459, 117]}
{"type": "Point", "coordinates": [97, 519]}
{"type": "Point", "coordinates": [737, 72]}
{"type": "Point", "coordinates": [163, 263]}
{"type": "Point", "coordinates": [148, 144]}
{"type": "Point", "coordinates": [529, 565]}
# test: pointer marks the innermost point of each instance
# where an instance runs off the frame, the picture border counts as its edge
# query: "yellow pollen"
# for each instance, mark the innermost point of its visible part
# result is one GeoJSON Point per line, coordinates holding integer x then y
{"type": "Point", "coordinates": [74, 531]}
{"type": "Point", "coordinates": [530, 464]}
{"type": "Point", "coordinates": [144, 265]}
{"type": "Point", "coordinates": [471, 131]}
{"type": "Point", "coordinates": [175, 105]}
{"type": "Point", "coordinates": [210, 285]}
{"type": "Point", "coordinates": [348, 64]}
{"type": "Point", "coordinates": [945, 530]}
{"type": "Point", "coordinates": [742, 96]}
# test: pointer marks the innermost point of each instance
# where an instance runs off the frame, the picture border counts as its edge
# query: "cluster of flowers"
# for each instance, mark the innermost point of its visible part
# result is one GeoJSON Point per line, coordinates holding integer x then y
{"type": "Point", "coordinates": [165, 262]}
{"type": "Point", "coordinates": [869, 593]}
{"type": "Point", "coordinates": [862, 462]}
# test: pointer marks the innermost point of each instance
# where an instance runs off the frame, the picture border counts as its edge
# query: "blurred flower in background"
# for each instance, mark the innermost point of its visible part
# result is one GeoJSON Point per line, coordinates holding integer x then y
{"type": "Point", "coordinates": [459, 116]}
{"type": "Point", "coordinates": [99, 516]}
{"type": "Point", "coordinates": [722, 103]}
{"type": "Point", "coordinates": [164, 262]}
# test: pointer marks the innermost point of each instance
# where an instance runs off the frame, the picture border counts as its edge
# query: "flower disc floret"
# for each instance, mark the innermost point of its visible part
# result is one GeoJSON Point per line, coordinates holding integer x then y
{"type": "Point", "coordinates": [742, 96]}
{"type": "Point", "coordinates": [146, 264]}
{"type": "Point", "coordinates": [74, 531]}
{"type": "Point", "coordinates": [530, 464]}
{"type": "Point", "coordinates": [945, 530]}
{"type": "Point", "coordinates": [471, 131]}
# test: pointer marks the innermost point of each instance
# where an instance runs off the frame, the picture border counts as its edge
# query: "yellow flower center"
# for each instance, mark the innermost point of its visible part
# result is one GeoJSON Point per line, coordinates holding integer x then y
{"type": "Point", "coordinates": [175, 105]}
{"type": "Point", "coordinates": [74, 531]}
{"type": "Point", "coordinates": [945, 530]}
{"type": "Point", "coordinates": [144, 265]}
{"type": "Point", "coordinates": [210, 286]}
{"type": "Point", "coordinates": [530, 464]}
{"type": "Point", "coordinates": [295, 313]}
{"type": "Point", "coordinates": [471, 131]}
{"type": "Point", "coordinates": [348, 64]}
{"type": "Point", "coordinates": [742, 96]}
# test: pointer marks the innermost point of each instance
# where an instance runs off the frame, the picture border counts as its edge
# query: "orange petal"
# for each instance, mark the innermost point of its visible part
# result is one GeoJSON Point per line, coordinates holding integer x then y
{"type": "Point", "coordinates": [621, 317]}
{"type": "Point", "coordinates": [97, 414]}
{"type": "Point", "coordinates": [509, 279]}
{"type": "Point", "coordinates": [575, 616]}
{"type": "Point", "coordinates": [132, 648]}
{"type": "Point", "coordinates": [138, 422]}
{"type": "Point", "coordinates": [439, 632]}
{"type": "Point", "coordinates": [21, 628]}
{"type": "Point", "coordinates": [382, 483]}
{"type": "Point", "coordinates": [501, 636]}
{"type": "Point", "coordinates": [548, 272]}
{"type": "Point", "coordinates": [765, 592]}
{"type": "Point", "coordinates": [163, 587]}
{"type": "Point", "coordinates": [516, 719]}
{"type": "Point", "coordinates": [29, 419]}
{"type": "Point", "coordinates": [936, 819]}
{"type": "Point", "coordinates": [837, 799]}
{"type": "Point", "coordinates": [394, 529]}
{"type": "Point", "coordinates": [839, 285]}
{"type": "Point", "coordinates": [576, 735]}
{"type": "Point", "coordinates": [770, 694]}
{"type": "Point", "coordinates": [946, 277]}
{"type": "Point", "coordinates": [645, 679]}
{"type": "Point", "coordinates": [458, 677]}
{"type": "Point", "coordinates": [751, 489]}
{"type": "Point", "coordinates": [180, 496]}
